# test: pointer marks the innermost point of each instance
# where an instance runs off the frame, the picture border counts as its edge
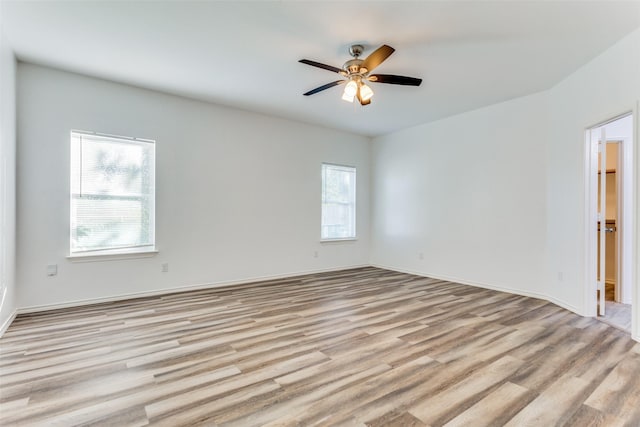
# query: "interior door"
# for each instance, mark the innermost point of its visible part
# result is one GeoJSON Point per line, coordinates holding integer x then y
{"type": "Point", "coordinates": [602, 219]}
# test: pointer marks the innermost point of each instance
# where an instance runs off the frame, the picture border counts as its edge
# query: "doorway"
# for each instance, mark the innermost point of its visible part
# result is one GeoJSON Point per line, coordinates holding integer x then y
{"type": "Point", "coordinates": [610, 229]}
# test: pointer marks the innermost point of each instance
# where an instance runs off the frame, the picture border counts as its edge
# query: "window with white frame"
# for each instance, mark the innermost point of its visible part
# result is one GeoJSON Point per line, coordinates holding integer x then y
{"type": "Point", "coordinates": [338, 202]}
{"type": "Point", "coordinates": [112, 194]}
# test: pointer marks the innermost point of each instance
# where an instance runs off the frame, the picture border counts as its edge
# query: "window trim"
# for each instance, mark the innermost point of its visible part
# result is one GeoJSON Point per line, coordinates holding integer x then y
{"type": "Point", "coordinates": [114, 254]}
{"type": "Point", "coordinates": [339, 240]}
{"type": "Point", "coordinates": [124, 252]}
{"type": "Point", "coordinates": [347, 168]}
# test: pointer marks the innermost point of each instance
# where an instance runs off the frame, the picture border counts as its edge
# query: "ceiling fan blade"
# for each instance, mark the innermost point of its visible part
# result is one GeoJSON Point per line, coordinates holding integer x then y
{"type": "Point", "coordinates": [362, 101]}
{"type": "Point", "coordinates": [323, 87]}
{"type": "Point", "coordinates": [323, 66]}
{"type": "Point", "coordinates": [377, 57]}
{"type": "Point", "coordinates": [394, 80]}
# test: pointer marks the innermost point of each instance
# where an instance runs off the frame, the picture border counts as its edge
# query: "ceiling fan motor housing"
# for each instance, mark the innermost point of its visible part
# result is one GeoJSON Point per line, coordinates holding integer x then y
{"type": "Point", "coordinates": [353, 66]}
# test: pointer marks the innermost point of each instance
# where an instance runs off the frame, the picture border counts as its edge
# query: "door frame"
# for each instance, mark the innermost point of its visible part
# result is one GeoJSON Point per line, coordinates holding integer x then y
{"type": "Point", "coordinates": [635, 220]}
{"type": "Point", "coordinates": [628, 217]}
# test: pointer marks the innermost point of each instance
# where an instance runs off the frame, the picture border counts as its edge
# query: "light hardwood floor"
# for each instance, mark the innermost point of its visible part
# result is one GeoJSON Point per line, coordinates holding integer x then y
{"type": "Point", "coordinates": [357, 347]}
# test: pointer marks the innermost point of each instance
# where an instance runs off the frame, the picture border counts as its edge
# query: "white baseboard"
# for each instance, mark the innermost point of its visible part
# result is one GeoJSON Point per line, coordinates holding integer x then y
{"type": "Point", "coordinates": [5, 325]}
{"type": "Point", "coordinates": [193, 287]}
{"type": "Point", "coordinates": [34, 309]}
{"type": "Point", "coordinates": [487, 286]}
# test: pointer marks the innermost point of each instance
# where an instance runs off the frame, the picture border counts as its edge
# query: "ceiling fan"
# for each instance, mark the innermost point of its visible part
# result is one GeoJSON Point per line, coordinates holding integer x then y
{"type": "Point", "coordinates": [357, 72]}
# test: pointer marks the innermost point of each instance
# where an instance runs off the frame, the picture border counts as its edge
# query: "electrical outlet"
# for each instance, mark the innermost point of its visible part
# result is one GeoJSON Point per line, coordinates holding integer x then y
{"type": "Point", "coordinates": [165, 267]}
{"type": "Point", "coordinates": [52, 269]}
{"type": "Point", "coordinates": [421, 255]}
{"type": "Point", "coordinates": [315, 254]}
{"type": "Point", "coordinates": [560, 276]}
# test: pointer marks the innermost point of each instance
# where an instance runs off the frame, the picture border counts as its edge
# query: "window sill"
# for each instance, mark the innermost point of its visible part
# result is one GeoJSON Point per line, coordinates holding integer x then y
{"type": "Point", "coordinates": [113, 255]}
{"type": "Point", "coordinates": [346, 239]}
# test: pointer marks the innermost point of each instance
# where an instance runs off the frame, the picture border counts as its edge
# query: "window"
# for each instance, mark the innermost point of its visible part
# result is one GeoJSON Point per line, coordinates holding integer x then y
{"type": "Point", "coordinates": [112, 194]}
{"type": "Point", "coordinates": [338, 202]}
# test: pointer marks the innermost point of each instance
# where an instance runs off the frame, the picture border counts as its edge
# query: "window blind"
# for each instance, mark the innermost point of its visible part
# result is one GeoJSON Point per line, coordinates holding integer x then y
{"type": "Point", "coordinates": [338, 202]}
{"type": "Point", "coordinates": [112, 192]}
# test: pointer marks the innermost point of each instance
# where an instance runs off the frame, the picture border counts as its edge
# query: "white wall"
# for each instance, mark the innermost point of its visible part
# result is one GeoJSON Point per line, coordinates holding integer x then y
{"type": "Point", "coordinates": [495, 197]}
{"type": "Point", "coordinates": [238, 193]}
{"type": "Point", "coordinates": [7, 183]}
{"type": "Point", "coordinates": [604, 88]}
{"type": "Point", "coordinates": [468, 192]}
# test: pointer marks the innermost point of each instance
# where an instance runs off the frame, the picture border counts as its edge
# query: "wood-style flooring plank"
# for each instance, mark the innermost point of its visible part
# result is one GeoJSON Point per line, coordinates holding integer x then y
{"type": "Point", "coordinates": [360, 347]}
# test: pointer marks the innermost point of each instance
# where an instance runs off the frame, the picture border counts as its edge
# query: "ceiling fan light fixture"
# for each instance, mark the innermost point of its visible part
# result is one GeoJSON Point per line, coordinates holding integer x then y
{"type": "Point", "coordinates": [347, 97]}
{"type": "Point", "coordinates": [351, 88]}
{"type": "Point", "coordinates": [365, 92]}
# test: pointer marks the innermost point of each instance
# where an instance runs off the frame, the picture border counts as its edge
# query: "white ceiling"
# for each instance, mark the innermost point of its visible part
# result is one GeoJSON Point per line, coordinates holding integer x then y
{"type": "Point", "coordinates": [244, 54]}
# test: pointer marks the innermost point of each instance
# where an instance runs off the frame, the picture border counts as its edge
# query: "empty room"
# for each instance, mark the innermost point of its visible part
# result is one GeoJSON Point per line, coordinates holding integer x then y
{"type": "Point", "coordinates": [354, 213]}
